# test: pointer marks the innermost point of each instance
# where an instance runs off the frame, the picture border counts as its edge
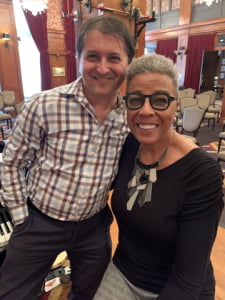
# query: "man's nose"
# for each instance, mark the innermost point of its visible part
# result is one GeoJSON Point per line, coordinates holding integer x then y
{"type": "Point", "coordinates": [103, 66]}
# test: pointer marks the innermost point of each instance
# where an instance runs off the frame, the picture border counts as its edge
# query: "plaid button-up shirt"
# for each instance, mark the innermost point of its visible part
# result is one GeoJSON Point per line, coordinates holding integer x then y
{"type": "Point", "coordinates": [73, 160]}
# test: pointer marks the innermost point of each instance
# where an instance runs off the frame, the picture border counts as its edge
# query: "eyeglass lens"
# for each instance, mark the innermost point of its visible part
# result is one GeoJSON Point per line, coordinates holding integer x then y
{"type": "Point", "coordinates": [157, 101]}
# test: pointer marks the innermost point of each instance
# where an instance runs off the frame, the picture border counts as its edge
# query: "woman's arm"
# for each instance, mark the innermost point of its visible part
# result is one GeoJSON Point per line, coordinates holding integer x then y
{"type": "Point", "coordinates": [198, 224]}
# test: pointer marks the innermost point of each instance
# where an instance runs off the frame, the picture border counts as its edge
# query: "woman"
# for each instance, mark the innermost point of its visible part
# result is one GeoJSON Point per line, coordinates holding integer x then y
{"type": "Point", "coordinates": [167, 198]}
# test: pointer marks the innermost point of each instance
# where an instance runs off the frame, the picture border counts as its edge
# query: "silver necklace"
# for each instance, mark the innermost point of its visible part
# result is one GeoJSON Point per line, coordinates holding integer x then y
{"type": "Point", "coordinates": [140, 185]}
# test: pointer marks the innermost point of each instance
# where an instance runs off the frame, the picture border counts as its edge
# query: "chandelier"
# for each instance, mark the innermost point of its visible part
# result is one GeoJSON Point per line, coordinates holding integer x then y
{"type": "Point", "coordinates": [209, 2]}
{"type": "Point", "coordinates": [35, 6]}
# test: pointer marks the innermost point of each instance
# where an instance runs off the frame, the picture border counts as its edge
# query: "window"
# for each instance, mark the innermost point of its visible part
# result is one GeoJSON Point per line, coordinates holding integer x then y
{"type": "Point", "coordinates": [165, 5]}
{"type": "Point", "coordinates": [28, 53]}
{"type": "Point", "coordinates": [162, 6]}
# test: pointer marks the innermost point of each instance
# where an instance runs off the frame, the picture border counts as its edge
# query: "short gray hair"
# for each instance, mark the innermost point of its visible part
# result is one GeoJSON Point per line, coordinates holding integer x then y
{"type": "Point", "coordinates": [153, 63]}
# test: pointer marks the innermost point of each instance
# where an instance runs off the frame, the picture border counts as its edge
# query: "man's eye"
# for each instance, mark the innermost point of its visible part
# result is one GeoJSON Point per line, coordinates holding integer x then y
{"type": "Point", "coordinates": [91, 57]}
{"type": "Point", "coordinates": [114, 58]}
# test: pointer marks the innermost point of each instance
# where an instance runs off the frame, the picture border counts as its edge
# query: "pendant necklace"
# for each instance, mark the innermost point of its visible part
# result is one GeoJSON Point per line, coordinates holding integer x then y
{"type": "Point", "coordinates": [140, 185]}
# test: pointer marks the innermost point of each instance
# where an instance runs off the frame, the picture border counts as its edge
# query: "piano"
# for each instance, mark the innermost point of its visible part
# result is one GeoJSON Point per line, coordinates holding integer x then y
{"type": "Point", "coordinates": [6, 229]}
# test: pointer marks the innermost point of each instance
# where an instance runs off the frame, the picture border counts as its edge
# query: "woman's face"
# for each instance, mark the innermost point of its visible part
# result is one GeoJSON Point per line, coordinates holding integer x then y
{"type": "Point", "coordinates": [151, 126]}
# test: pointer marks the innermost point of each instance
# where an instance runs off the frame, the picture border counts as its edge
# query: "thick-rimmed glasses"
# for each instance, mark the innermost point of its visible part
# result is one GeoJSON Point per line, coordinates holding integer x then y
{"type": "Point", "coordinates": [158, 100]}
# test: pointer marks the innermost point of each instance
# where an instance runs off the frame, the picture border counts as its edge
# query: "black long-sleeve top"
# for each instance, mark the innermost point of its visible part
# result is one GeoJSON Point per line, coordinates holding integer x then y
{"type": "Point", "coordinates": [165, 246]}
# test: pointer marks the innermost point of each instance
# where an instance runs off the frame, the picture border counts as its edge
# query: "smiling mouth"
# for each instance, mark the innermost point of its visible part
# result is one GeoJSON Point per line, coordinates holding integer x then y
{"type": "Point", "coordinates": [101, 78]}
{"type": "Point", "coordinates": [147, 126]}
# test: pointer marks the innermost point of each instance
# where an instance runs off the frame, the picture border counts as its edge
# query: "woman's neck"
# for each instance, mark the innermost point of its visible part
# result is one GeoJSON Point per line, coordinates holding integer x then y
{"type": "Point", "coordinates": [149, 154]}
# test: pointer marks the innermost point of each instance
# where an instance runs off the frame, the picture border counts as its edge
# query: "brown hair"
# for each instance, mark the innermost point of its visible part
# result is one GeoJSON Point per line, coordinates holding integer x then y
{"type": "Point", "coordinates": [107, 25]}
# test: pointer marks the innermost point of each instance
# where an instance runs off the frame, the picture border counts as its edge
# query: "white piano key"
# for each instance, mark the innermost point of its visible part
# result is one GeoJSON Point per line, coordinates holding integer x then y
{"type": "Point", "coordinates": [3, 241]}
{"type": "Point", "coordinates": [6, 234]}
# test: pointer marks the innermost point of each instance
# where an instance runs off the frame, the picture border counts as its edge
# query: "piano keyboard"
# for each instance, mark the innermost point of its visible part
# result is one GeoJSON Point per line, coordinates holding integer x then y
{"type": "Point", "coordinates": [6, 226]}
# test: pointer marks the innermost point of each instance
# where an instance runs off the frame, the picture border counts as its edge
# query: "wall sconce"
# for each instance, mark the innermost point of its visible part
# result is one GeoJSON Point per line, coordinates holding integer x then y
{"type": "Point", "coordinates": [6, 38]}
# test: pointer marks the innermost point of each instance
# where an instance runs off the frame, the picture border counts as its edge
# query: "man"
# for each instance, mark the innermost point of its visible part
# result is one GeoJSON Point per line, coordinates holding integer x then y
{"type": "Point", "coordinates": [71, 137]}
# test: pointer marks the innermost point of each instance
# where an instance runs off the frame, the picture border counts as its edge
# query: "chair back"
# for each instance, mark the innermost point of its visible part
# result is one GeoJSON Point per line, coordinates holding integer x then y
{"type": "Point", "coordinates": [203, 100]}
{"type": "Point", "coordinates": [192, 119]}
{"type": "Point", "coordinates": [212, 95]}
{"type": "Point", "coordinates": [8, 97]}
{"type": "Point", "coordinates": [186, 102]}
{"type": "Point", "coordinates": [18, 106]}
{"type": "Point", "coordinates": [190, 92]}
{"type": "Point", "coordinates": [181, 94]}
{"type": "Point", "coordinates": [1, 102]}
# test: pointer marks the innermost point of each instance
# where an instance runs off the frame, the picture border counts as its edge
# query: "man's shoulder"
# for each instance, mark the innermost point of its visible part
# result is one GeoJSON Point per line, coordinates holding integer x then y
{"type": "Point", "coordinates": [48, 96]}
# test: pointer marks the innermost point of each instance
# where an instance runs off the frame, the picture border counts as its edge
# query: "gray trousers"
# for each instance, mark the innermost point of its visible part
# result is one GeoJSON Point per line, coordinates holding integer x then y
{"type": "Point", "coordinates": [115, 286]}
{"type": "Point", "coordinates": [35, 244]}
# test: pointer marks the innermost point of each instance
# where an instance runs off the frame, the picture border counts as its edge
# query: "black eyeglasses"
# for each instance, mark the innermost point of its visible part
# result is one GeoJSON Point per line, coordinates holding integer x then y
{"type": "Point", "coordinates": [158, 100]}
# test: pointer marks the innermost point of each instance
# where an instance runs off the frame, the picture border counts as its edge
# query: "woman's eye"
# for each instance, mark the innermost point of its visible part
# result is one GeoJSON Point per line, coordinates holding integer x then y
{"type": "Point", "coordinates": [134, 101]}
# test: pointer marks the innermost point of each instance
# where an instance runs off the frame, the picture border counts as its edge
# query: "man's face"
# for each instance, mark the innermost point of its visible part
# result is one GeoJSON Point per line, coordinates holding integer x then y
{"type": "Point", "coordinates": [103, 65]}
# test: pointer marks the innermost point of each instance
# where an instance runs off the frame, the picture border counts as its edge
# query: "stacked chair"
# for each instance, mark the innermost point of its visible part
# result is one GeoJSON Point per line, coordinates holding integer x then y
{"type": "Point", "coordinates": [4, 117]}
{"type": "Point", "coordinates": [194, 109]}
{"type": "Point", "coordinates": [212, 103]}
{"type": "Point", "coordinates": [221, 154]}
{"type": "Point", "coordinates": [189, 92]}
{"type": "Point", "coordinates": [191, 121]}
{"type": "Point", "coordinates": [203, 101]}
{"type": "Point", "coordinates": [18, 106]}
{"type": "Point", "coordinates": [184, 102]}
{"type": "Point", "coordinates": [9, 101]}
{"type": "Point", "coordinates": [8, 109]}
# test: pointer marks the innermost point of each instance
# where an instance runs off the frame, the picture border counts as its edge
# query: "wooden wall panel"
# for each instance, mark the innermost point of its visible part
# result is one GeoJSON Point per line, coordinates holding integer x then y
{"type": "Point", "coordinates": [167, 33]}
{"type": "Point", "coordinates": [86, 13]}
{"type": "Point", "coordinates": [185, 12]}
{"type": "Point", "coordinates": [57, 55]}
{"type": "Point", "coordinates": [10, 74]}
{"type": "Point", "coordinates": [210, 26]}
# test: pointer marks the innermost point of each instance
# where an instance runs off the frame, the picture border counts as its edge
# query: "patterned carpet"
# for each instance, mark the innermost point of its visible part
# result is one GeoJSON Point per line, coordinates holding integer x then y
{"type": "Point", "coordinates": [211, 148]}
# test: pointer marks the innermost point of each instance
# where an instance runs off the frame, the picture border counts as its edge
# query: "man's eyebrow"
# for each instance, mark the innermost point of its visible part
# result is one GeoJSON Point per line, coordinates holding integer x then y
{"type": "Point", "coordinates": [95, 51]}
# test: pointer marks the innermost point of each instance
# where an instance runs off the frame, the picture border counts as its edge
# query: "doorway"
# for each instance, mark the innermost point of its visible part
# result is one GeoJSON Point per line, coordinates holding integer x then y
{"type": "Point", "coordinates": [213, 72]}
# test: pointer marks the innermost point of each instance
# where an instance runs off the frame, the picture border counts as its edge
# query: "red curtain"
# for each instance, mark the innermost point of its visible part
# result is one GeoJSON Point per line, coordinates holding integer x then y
{"type": "Point", "coordinates": [167, 48]}
{"type": "Point", "coordinates": [196, 46]}
{"type": "Point", "coordinates": [70, 40]}
{"type": "Point", "coordinates": [38, 28]}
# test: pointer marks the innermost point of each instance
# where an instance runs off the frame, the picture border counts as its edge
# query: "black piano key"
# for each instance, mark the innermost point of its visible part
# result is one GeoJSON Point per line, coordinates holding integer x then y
{"type": "Point", "coordinates": [5, 221]}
